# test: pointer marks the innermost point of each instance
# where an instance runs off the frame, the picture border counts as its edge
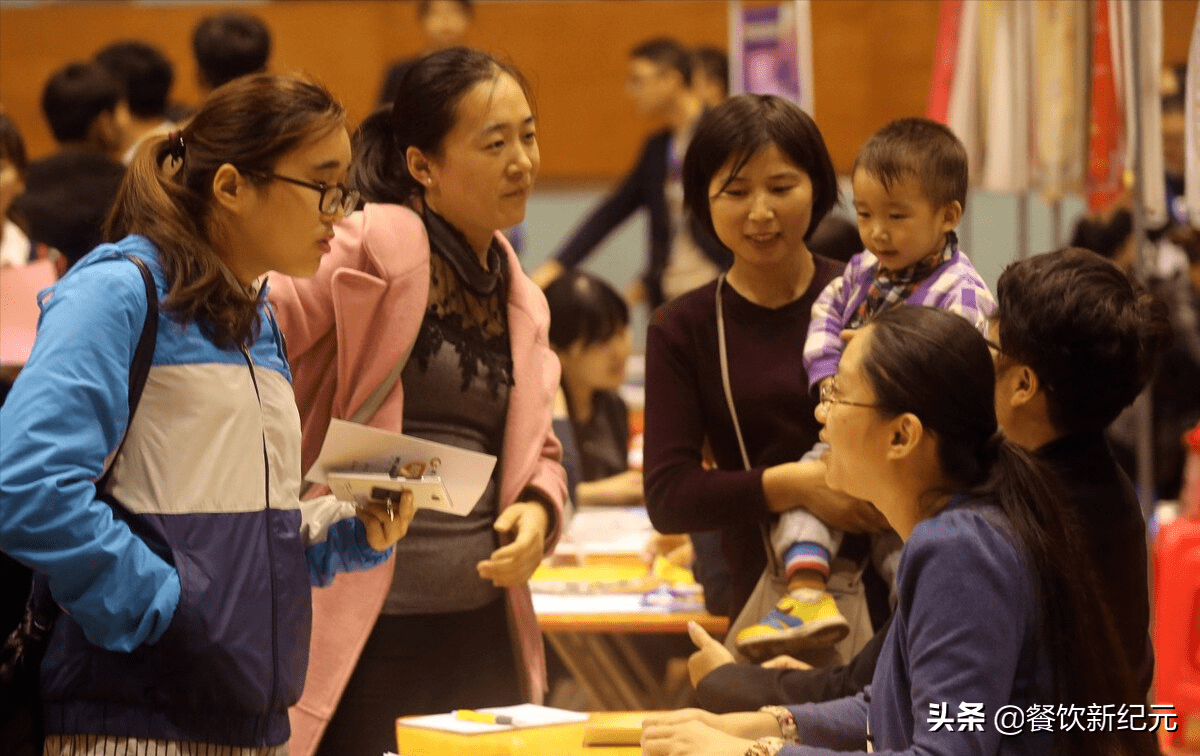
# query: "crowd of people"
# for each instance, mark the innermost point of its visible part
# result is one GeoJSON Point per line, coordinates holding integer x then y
{"type": "Point", "coordinates": [824, 397]}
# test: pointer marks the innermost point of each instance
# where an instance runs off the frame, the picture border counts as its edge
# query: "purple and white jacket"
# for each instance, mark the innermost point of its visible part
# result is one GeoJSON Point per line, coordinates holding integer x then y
{"type": "Point", "coordinates": [955, 286]}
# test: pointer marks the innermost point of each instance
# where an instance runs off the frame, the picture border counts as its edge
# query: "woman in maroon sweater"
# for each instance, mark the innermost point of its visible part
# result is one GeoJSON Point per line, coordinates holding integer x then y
{"type": "Point", "coordinates": [758, 176]}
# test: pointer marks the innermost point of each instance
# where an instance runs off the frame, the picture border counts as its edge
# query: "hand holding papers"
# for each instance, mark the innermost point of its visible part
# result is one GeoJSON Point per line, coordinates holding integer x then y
{"type": "Point", "coordinates": [359, 463]}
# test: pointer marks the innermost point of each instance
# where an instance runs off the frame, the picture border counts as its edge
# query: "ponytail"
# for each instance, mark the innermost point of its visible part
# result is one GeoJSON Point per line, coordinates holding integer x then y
{"type": "Point", "coordinates": [1089, 663]}
{"type": "Point", "coordinates": [424, 111]}
{"type": "Point", "coordinates": [380, 169]}
{"type": "Point", "coordinates": [201, 287]}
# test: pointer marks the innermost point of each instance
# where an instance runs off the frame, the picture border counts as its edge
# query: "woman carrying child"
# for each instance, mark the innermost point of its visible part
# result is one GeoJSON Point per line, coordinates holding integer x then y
{"type": "Point", "coordinates": [758, 175]}
{"type": "Point", "coordinates": [910, 188]}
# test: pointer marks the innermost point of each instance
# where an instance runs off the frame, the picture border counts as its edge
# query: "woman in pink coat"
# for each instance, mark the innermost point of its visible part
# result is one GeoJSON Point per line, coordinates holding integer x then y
{"type": "Point", "coordinates": [420, 320]}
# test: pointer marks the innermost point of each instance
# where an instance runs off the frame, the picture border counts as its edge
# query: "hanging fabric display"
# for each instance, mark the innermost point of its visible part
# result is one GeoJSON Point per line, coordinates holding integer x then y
{"type": "Point", "coordinates": [1106, 146]}
{"type": "Point", "coordinates": [1191, 175]}
{"type": "Point", "coordinates": [771, 51]}
{"type": "Point", "coordinates": [1059, 97]}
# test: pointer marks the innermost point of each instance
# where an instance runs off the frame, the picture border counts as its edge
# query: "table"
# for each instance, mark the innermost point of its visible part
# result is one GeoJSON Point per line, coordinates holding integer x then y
{"type": "Point", "coordinates": [556, 740]}
{"type": "Point", "coordinates": [593, 632]}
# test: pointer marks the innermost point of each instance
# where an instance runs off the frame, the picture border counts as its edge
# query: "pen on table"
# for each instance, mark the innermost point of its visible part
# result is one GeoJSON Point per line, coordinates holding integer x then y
{"type": "Point", "coordinates": [468, 715]}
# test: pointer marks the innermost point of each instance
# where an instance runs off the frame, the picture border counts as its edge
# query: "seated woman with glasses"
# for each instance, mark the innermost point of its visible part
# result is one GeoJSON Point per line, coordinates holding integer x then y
{"type": "Point", "coordinates": [421, 321]}
{"type": "Point", "coordinates": [998, 611]}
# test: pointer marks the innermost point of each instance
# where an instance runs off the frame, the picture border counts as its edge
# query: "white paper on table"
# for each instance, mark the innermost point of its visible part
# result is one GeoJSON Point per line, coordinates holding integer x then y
{"type": "Point", "coordinates": [523, 715]}
{"type": "Point", "coordinates": [594, 603]}
{"type": "Point", "coordinates": [607, 530]}
{"type": "Point", "coordinates": [353, 447]}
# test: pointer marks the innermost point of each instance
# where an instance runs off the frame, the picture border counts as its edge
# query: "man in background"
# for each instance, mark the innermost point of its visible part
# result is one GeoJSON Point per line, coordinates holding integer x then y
{"type": "Point", "coordinates": [145, 75]}
{"type": "Point", "coordinates": [68, 194]}
{"type": "Point", "coordinates": [227, 46]}
{"type": "Point", "coordinates": [444, 24]}
{"type": "Point", "coordinates": [681, 256]}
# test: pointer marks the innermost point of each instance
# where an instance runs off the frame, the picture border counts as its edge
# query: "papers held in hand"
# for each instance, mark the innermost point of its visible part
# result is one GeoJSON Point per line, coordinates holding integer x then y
{"type": "Point", "coordinates": [419, 477]}
{"type": "Point", "coordinates": [358, 462]}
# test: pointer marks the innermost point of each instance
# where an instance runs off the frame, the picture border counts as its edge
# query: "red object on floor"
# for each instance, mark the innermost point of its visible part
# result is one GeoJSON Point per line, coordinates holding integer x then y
{"type": "Point", "coordinates": [1177, 626]}
{"type": "Point", "coordinates": [1189, 497]}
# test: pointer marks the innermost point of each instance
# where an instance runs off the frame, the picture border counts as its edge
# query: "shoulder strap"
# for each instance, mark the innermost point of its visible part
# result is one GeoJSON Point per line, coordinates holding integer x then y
{"type": "Point", "coordinates": [26, 644]}
{"type": "Point", "coordinates": [737, 428]}
{"type": "Point", "coordinates": [774, 564]}
{"type": "Point", "coordinates": [143, 356]}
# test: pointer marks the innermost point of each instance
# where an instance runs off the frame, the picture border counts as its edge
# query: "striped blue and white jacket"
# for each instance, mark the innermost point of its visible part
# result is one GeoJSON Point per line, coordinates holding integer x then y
{"type": "Point", "coordinates": [206, 638]}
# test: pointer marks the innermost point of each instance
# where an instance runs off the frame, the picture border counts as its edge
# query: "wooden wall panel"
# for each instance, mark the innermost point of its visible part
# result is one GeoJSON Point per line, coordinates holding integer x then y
{"type": "Point", "coordinates": [872, 58]}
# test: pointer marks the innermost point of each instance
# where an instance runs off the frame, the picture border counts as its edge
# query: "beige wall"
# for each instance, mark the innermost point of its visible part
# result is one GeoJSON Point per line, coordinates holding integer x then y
{"type": "Point", "coordinates": [872, 58]}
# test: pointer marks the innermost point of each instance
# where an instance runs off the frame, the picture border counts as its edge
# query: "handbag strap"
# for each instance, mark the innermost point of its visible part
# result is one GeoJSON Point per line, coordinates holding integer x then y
{"type": "Point", "coordinates": [724, 357]}
{"type": "Point", "coordinates": [773, 562]}
{"type": "Point", "coordinates": [143, 357]}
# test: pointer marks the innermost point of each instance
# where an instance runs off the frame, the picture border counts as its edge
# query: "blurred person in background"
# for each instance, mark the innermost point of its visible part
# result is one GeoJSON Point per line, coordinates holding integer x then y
{"type": "Point", "coordinates": [15, 246]}
{"type": "Point", "coordinates": [68, 194]}
{"type": "Point", "coordinates": [227, 46]}
{"type": "Point", "coordinates": [146, 76]}
{"type": "Point", "coordinates": [589, 331]}
{"type": "Point", "coordinates": [681, 255]}
{"type": "Point", "coordinates": [710, 75]}
{"type": "Point", "coordinates": [444, 23]}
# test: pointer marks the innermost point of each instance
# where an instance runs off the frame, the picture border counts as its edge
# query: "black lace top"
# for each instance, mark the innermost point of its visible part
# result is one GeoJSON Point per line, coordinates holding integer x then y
{"type": "Point", "coordinates": [468, 307]}
{"type": "Point", "coordinates": [456, 392]}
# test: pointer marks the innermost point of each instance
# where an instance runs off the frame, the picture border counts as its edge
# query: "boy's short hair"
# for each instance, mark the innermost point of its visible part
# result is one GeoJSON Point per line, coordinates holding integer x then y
{"type": "Point", "coordinates": [1091, 335]}
{"type": "Point", "coordinates": [923, 149]}
{"type": "Point", "coordinates": [667, 53]}
{"type": "Point", "coordinates": [143, 72]}
{"type": "Point", "coordinates": [713, 62]}
{"type": "Point", "coordinates": [12, 146]}
{"type": "Point", "coordinates": [75, 96]}
{"type": "Point", "coordinates": [230, 45]}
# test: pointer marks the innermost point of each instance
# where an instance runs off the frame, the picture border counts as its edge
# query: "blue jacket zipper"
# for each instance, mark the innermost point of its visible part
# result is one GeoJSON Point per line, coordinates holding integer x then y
{"type": "Point", "coordinates": [270, 553]}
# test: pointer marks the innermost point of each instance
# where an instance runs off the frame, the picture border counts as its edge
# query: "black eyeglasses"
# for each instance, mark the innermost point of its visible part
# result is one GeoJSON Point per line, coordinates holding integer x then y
{"type": "Point", "coordinates": [333, 197]}
{"type": "Point", "coordinates": [828, 398]}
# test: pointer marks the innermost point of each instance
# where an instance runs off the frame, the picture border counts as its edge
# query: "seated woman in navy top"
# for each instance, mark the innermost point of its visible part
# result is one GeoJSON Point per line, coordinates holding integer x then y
{"type": "Point", "coordinates": [996, 612]}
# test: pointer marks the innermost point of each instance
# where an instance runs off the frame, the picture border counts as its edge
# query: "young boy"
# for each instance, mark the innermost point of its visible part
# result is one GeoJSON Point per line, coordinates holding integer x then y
{"type": "Point", "coordinates": [910, 187]}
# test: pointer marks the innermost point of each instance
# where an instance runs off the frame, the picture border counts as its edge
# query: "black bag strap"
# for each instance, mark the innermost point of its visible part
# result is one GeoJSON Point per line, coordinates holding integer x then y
{"type": "Point", "coordinates": [143, 357]}
{"type": "Point", "coordinates": [26, 643]}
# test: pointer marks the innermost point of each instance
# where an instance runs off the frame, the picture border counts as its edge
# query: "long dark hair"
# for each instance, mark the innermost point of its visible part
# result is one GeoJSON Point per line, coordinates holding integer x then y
{"type": "Point", "coordinates": [250, 123]}
{"type": "Point", "coordinates": [423, 113]}
{"type": "Point", "coordinates": [935, 365]}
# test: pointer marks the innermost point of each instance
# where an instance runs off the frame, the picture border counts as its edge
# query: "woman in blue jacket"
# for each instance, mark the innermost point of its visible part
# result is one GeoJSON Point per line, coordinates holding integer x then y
{"type": "Point", "coordinates": [998, 623]}
{"type": "Point", "coordinates": [186, 601]}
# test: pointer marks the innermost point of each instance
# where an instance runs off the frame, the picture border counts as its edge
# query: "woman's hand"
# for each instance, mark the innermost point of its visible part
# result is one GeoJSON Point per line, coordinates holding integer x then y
{"type": "Point", "coordinates": [514, 563]}
{"type": "Point", "coordinates": [710, 654]}
{"type": "Point", "coordinates": [689, 738]}
{"type": "Point", "coordinates": [750, 725]}
{"type": "Point", "coordinates": [621, 490]}
{"type": "Point", "coordinates": [802, 484]}
{"type": "Point", "coordinates": [387, 522]}
{"type": "Point", "coordinates": [785, 662]}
